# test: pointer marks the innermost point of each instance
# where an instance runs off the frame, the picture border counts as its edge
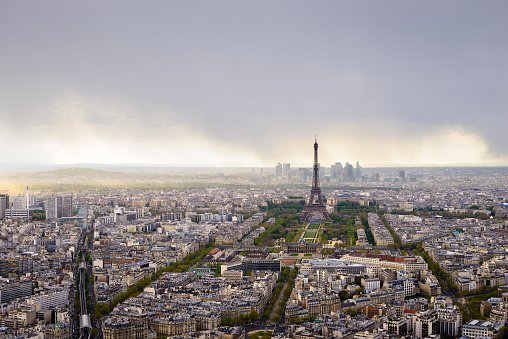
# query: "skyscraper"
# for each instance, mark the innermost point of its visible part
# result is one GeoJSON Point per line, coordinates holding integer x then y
{"type": "Point", "coordinates": [349, 174]}
{"type": "Point", "coordinates": [278, 170]}
{"type": "Point", "coordinates": [358, 172]}
{"type": "Point", "coordinates": [337, 171]}
{"type": "Point", "coordinates": [4, 204]}
{"type": "Point", "coordinates": [286, 168]}
{"type": "Point", "coordinates": [402, 175]}
{"type": "Point", "coordinates": [52, 208]}
{"type": "Point", "coordinates": [59, 207]}
{"type": "Point", "coordinates": [67, 206]}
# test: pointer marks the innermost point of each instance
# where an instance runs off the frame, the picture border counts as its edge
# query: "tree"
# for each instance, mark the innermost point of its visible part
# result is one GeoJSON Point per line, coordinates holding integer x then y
{"type": "Point", "coordinates": [276, 318]}
{"type": "Point", "coordinates": [253, 315]}
{"type": "Point", "coordinates": [344, 295]}
{"type": "Point", "coordinates": [503, 333]}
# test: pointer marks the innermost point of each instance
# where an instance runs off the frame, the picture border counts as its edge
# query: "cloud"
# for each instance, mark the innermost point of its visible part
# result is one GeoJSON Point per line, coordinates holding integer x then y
{"type": "Point", "coordinates": [81, 129]}
{"type": "Point", "coordinates": [253, 82]}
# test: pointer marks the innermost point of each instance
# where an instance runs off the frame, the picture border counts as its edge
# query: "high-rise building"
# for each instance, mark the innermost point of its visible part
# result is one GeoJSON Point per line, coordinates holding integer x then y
{"type": "Point", "coordinates": [286, 168]}
{"type": "Point", "coordinates": [67, 206]}
{"type": "Point", "coordinates": [349, 172]}
{"type": "Point", "coordinates": [375, 177]}
{"type": "Point", "coordinates": [33, 200]}
{"type": "Point", "coordinates": [59, 207]}
{"type": "Point", "coordinates": [358, 171]}
{"type": "Point", "coordinates": [278, 170]}
{"type": "Point", "coordinates": [52, 208]}
{"type": "Point", "coordinates": [337, 171]}
{"type": "Point", "coordinates": [4, 204]}
{"type": "Point", "coordinates": [402, 175]}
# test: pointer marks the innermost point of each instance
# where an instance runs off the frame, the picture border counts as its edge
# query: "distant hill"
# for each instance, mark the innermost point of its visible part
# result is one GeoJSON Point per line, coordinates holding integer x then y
{"type": "Point", "coordinates": [79, 171]}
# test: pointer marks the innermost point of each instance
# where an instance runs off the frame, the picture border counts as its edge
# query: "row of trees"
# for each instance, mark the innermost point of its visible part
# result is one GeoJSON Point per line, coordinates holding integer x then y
{"type": "Point", "coordinates": [351, 239]}
{"type": "Point", "coordinates": [293, 235]}
{"type": "Point", "coordinates": [309, 318]}
{"type": "Point", "coordinates": [287, 293]}
{"type": "Point", "coordinates": [444, 278]}
{"type": "Point", "coordinates": [368, 232]}
{"type": "Point", "coordinates": [396, 239]}
{"type": "Point", "coordinates": [351, 208]}
{"type": "Point", "coordinates": [427, 212]}
{"type": "Point", "coordinates": [180, 266]}
{"type": "Point", "coordinates": [290, 205]}
{"type": "Point", "coordinates": [274, 230]}
{"type": "Point", "coordinates": [284, 274]}
{"type": "Point", "coordinates": [241, 320]}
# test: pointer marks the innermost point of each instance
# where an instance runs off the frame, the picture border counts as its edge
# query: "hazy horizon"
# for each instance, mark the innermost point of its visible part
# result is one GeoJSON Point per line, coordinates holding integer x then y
{"type": "Point", "coordinates": [249, 84]}
{"type": "Point", "coordinates": [40, 167]}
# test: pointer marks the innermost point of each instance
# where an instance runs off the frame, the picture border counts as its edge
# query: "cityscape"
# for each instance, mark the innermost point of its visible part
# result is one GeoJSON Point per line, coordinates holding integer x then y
{"type": "Point", "coordinates": [332, 169]}
{"type": "Point", "coordinates": [402, 252]}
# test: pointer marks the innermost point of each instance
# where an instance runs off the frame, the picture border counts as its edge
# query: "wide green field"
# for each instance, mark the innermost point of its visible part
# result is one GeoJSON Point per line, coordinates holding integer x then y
{"type": "Point", "coordinates": [313, 227]}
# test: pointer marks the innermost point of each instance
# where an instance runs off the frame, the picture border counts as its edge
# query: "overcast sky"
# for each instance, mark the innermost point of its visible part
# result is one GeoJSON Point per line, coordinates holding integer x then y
{"type": "Point", "coordinates": [216, 83]}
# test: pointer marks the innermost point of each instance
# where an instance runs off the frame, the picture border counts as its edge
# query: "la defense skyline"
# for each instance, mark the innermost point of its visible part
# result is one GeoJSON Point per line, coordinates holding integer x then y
{"type": "Point", "coordinates": [348, 172]}
{"type": "Point", "coordinates": [335, 173]}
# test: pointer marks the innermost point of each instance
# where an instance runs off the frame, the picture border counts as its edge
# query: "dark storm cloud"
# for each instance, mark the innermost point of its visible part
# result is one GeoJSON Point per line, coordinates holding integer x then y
{"type": "Point", "coordinates": [245, 76]}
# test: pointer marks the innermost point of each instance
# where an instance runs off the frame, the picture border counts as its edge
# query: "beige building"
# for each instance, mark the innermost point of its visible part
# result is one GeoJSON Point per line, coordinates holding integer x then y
{"type": "Point", "coordinates": [57, 331]}
{"type": "Point", "coordinates": [169, 326]}
{"type": "Point", "coordinates": [124, 328]}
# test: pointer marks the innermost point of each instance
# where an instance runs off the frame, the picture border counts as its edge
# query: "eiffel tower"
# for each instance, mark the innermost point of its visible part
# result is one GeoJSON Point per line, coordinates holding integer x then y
{"type": "Point", "coordinates": [311, 207]}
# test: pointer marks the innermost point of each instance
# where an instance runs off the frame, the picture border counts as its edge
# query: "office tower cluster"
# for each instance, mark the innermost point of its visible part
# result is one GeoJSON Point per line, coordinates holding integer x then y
{"type": "Point", "coordinates": [59, 207]}
{"type": "Point", "coordinates": [17, 207]}
{"type": "Point", "coordinates": [339, 172]}
{"type": "Point", "coordinates": [336, 173]}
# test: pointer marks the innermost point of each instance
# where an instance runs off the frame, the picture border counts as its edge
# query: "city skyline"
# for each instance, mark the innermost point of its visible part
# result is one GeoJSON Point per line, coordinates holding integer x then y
{"type": "Point", "coordinates": [250, 84]}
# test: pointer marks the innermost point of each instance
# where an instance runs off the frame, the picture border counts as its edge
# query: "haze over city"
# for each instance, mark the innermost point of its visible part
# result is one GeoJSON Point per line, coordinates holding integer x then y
{"type": "Point", "coordinates": [250, 83]}
{"type": "Point", "coordinates": [253, 169]}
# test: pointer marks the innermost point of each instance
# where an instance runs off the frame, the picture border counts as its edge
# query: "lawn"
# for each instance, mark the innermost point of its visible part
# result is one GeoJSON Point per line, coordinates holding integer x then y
{"type": "Point", "coordinates": [289, 261]}
{"type": "Point", "coordinates": [313, 227]}
{"type": "Point", "coordinates": [310, 235]}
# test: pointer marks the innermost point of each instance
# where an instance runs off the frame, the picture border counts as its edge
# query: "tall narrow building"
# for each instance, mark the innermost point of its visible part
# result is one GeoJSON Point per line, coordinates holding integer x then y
{"type": "Point", "coordinates": [278, 170]}
{"type": "Point", "coordinates": [4, 205]}
{"type": "Point", "coordinates": [349, 174]}
{"type": "Point", "coordinates": [67, 206]}
{"type": "Point", "coordinates": [337, 171]}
